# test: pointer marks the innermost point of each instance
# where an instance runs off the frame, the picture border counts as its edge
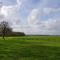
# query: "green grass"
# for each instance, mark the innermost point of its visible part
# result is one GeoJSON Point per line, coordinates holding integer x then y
{"type": "Point", "coordinates": [30, 48]}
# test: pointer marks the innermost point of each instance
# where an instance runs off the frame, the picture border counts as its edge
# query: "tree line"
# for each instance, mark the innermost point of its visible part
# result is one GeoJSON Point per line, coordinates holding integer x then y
{"type": "Point", "coordinates": [6, 30]}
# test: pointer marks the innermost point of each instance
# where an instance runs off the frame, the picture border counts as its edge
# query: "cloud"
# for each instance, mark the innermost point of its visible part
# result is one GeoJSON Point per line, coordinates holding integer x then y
{"type": "Point", "coordinates": [33, 16]}
{"type": "Point", "coordinates": [39, 20]}
{"type": "Point", "coordinates": [50, 10]}
{"type": "Point", "coordinates": [19, 2]}
{"type": "Point", "coordinates": [10, 13]}
{"type": "Point", "coordinates": [47, 27]}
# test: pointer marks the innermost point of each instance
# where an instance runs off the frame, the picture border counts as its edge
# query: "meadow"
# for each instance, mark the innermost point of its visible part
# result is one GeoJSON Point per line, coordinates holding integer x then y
{"type": "Point", "coordinates": [30, 48]}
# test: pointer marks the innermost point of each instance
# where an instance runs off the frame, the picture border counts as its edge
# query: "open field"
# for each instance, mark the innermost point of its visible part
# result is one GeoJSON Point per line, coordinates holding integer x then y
{"type": "Point", "coordinates": [30, 48]}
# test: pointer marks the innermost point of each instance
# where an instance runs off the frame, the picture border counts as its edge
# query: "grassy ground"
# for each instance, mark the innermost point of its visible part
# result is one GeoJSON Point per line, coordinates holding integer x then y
{"type": "Point", "coordinates": [30, 48]}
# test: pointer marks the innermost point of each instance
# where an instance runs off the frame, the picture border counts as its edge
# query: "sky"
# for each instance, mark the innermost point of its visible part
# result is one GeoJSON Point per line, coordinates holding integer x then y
{"type": "Point", "coordinates": [37, 17]}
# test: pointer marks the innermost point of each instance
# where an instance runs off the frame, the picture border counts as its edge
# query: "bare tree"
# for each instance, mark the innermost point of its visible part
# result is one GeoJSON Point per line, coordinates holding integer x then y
{"type": "Point", "coordinates": [5, 28]}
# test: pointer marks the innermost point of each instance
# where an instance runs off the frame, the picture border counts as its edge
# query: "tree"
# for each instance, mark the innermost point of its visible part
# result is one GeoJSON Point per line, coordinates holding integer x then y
{"type": "Point", "coordinates": [5, 28]}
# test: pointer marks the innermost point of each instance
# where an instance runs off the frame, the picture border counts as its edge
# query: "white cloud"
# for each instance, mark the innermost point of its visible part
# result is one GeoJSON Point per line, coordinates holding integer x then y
{"type": "Point", "coordinates": [10, 13]}
{"type": "Point", "coordinates": [35, 25]}
{"type": "Point", "coordinates": [19, 2]}
{"type": "Point", "coordinates": [50, 26]}
{"type": "Point", "coordinates": [33, 16]}
{"type": "Point", "coordinates": [50, 10]}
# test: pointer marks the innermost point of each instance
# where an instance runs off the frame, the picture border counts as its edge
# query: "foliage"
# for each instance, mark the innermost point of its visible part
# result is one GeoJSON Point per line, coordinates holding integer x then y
{"type": "Point", "coordinates": [6, 30]}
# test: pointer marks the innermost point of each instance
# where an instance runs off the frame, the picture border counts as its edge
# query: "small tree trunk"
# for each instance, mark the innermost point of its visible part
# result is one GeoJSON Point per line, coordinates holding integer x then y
{"type": "Point", "coordinates": [3, 34]}
{"type": "Point", "coordinates": [3, 38]}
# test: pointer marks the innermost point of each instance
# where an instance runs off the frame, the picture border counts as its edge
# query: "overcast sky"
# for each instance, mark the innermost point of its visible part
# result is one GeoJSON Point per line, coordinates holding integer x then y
{"type": "Point", "coordinates": [32, 16]}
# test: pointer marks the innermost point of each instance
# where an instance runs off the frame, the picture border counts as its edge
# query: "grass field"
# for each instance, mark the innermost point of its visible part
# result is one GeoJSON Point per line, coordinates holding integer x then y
{"type": "Point", "coordinates": [30, 48]}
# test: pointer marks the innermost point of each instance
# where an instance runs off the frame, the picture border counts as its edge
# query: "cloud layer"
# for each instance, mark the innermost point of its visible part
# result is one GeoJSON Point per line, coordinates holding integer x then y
{"type": "Point", "coordinates": [33, 17]}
